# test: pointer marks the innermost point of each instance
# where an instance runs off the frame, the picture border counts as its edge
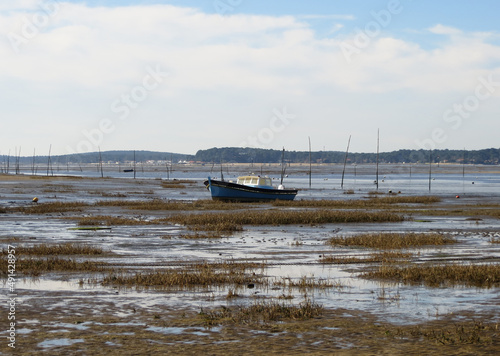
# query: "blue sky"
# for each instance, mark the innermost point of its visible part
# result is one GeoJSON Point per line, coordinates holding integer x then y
{"type": "Point", "coordinates": [186, 75]}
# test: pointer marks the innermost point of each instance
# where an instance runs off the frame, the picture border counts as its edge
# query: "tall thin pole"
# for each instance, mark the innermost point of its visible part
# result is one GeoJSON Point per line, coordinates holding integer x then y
{"type": "Point", "coordinates": [8, 162]}
{"type": "Point", "coordinates": [310, 162]}
{"type": "Point", "coordinates": [463, 165]}
{"type": "Point", "coordinates": [18, 157]}
{"type": "Point", "coordinates": [134, 164]}
{"type": "Point", "coordinates": [378, 145]}
{"type": "Point", "coordinates": [33, 163]}
{"type": "Point", "coordinates": [49, 163]}
{"type": "Point", "coordinates": [171, 163]}
{"type": "Point", "coordinates": [463, 172]}
{"type": "Point", "coordinates": [345, 161]}
{"type": "Point", "coordinates": [166, 166]}
{"type": "Point", "coordinates": [282, 165]}
{"type": "Point", "coordinates": [430, 168]}
{"type": "Point", "coordinates": [100, 161]}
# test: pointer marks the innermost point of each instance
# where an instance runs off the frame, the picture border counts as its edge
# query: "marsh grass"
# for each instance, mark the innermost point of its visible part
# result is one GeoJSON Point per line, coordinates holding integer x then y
{"type": "Point", "coordinates": [37, 266]}
{"type": "Point", "coordinates": [59, 188]}
{"type": "Point", "coordinates": [176, 184]}
{"type": "Point", "coordinates": [221, 228]}
{"type": "Point", "coordinates": [471, 210]}
{"type": "Point", "coordinates": [215, 274]}
{"type": "Point", "coordinates": [57, 249]}
{"type": "Point", "coordinates": [392, 240]}
{"type": "Point", "coordinates": [283, 217]}
{"type": "Point", "coordinates": [206, 235]}
{"type": "Point", "coordinates": [111, 195]}
{"type": "Point", "coordinates": [172, 205]}
{"type": "Point", "coordinates": [481, 276]}
{"type": "Point", "coordinates": [382, 257]}
{"type": "Point", "coordinates": [464, 333]}
{"type": "Point", "coordinates": [305, 283]}
{"type": "Point", "coordinates": [372, 202]}
{"type": "Point", "coordinates": [106, 220]}
{"type": "Point", "coordinates": [261, 312]}
{"type": "Point", "coordinates": [53, 207]}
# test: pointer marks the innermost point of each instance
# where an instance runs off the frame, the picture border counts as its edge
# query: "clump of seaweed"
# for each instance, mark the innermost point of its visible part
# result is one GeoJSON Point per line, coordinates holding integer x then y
{"type": "Point", "coordinates": [382, 257]}
{"type": "Point", "coordinates": [465, 333]}
{"type": "Point", "coordinates": [392, 240]}
{"type": "Point", "coordinates": [37, 266]}
{"type": "Point", "coordinates": [176, 183]}
{"type": "Point", "coordinates": [217, 274]}
{"type": "Point", "coordinates": [473, 275]}
{"type": "Point", "coordinates": [107, 220]}
{"type": "Point", "coordinates": [53, 207]}
{"type": "Point", "coordinates": [170, 205]}
{"type": "Point", "coordinates": [261, 312]}
{"type": "Point", "coordinates": [305, 283]}
{"type": "Point", "coordinates": [372, 202]}
{"type": "Point", "coordinates": [284, 217]}
{"type": "Point", "coordinates": [57, 249]}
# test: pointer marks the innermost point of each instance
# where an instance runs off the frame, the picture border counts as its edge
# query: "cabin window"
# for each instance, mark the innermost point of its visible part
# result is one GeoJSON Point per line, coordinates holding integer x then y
{"type": "Point", "coordinates": [265, 181]}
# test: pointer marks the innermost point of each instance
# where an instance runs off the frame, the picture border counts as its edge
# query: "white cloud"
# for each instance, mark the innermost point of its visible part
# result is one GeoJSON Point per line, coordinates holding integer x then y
{"type": "Point", "coordinates": [445, 30]}
{"type": "Point", "coordinates": [222, 69]}
{"type": "Point", "coordinates": [327, 17]}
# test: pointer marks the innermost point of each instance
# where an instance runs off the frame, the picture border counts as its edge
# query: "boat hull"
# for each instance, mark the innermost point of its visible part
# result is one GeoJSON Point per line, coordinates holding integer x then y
{"type": "Point", "coordinates": [228, 191]}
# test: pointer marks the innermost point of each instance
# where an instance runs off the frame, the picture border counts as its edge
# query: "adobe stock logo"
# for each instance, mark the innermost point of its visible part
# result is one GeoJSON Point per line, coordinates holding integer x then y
{"type": "Point", "coordinates": [224, 6]}
{"type": "Point", "coordinates": [454, 117]}
{"type": "Point", "coordinates": [363, 37]}
{"type": "Point", "coordinates": [278, 123]}
{"type": "Point", "coordinates": [34, 24]}
{"type": "Point", "coordinates": [122, 107]}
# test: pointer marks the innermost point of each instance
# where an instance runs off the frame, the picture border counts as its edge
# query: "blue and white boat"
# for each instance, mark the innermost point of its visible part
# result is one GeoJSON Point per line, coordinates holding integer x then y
{"type": "Point", "coordinates": [249, 189]}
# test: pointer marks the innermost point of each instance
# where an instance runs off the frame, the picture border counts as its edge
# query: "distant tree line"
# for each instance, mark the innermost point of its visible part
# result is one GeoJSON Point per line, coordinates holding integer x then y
{"type": "Point", "coordinates": [93, 157]}
{"type": "Point", "coordinates": [489, 156]}
{"type": "Point", "coordinates": [258, 155]}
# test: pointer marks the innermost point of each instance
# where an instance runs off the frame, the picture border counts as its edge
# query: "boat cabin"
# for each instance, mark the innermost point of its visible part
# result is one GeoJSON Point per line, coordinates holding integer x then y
{"type": "Point", "coordinates": [255, 181]}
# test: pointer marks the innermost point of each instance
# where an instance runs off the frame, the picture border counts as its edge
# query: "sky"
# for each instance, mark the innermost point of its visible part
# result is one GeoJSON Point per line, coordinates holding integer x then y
{"type": "Point", "coordinates": [180, 76]}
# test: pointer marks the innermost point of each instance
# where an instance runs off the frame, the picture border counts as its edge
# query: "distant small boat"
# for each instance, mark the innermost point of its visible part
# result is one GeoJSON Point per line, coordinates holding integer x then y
{"type": "Point", "coordinates": [249, 189]}
{"type": "Point", "coordinates": [128, 170]}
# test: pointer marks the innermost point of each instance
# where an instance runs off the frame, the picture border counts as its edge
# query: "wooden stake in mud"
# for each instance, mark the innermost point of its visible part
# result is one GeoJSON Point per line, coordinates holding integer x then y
{"type": "Point", "coordinates": [49, 162]}
{"type": "Point", "coordinates": [345, 161]}
{"type": "Point", "coordinates": [378, 144]}
{"type": "Point", "coordinates": [310, 162]}
{"type": "Point", "coordinates": [100, 161]}
{"type": "Point", "coordinates": [134, 164]}
{"type": "Point", "coordinates": [430, 168]}
{"type": "Point", "coordinates": [283, 167]}
{"type": "Point", "coordinates": [33, 163]}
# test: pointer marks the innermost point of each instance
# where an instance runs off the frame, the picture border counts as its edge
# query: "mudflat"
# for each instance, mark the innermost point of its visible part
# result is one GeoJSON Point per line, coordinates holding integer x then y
{"type": "Point", "coordinates": [153, 266]}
